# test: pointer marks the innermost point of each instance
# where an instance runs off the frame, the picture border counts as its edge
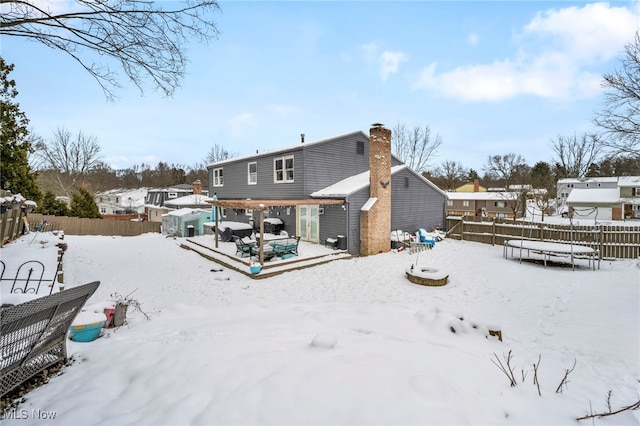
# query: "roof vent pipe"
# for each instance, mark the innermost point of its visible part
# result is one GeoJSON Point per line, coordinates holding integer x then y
{"type": "Point", "coordinates": [301, 137]}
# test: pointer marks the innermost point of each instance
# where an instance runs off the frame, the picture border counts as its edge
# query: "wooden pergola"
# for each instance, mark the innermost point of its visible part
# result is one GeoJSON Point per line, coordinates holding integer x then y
{"type": "Point", "coordinates": [265, 204]}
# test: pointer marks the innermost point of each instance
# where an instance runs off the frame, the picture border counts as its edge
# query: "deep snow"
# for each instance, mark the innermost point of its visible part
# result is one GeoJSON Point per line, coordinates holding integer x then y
{"type": "Point", "coordinates": [349, 342]}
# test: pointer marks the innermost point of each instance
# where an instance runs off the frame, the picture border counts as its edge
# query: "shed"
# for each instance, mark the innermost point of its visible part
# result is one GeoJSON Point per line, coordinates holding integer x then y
{"type": "Point", "coordinates": [176, 223]}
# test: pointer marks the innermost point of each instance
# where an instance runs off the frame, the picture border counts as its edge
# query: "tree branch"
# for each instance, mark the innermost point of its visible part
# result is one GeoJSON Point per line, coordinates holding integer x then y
{"type": "Point", "coordinates": [633, 406]}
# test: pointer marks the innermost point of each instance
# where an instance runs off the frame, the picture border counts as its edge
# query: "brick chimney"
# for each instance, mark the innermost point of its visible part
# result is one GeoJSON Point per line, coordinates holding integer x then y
{"type": "Point", "coordinates": [476, 185]}
{"type": "Point", "coordinates": [375, 217]}
{"type": "Point", "coordinates": [197, 187]}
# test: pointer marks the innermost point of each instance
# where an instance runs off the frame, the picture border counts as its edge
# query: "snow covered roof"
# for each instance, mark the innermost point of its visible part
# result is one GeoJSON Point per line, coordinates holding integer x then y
{"type": "Point", "coordinates": [186, 212]}
{"type": "Point", "coordinates": [588, 180]}
{"type": "Point", "coordinates": [622, 181]}
{"type": "Point", "coordinates": [128, 197]}
{"type": "Point", "coordinates": [189, 200]}
{"type": "Point", "coordinates": [288, 148]}
{"type": "Point", "coordinates": [348, 186]}
{"type": "Point", "coordinates": [629, 181]}
{"type": "Point", "coordinates": [594, 195]}
{"type": "Point", "coordinates": [369, 204]}
{"type": "Point", "coordinates": [481, 196]}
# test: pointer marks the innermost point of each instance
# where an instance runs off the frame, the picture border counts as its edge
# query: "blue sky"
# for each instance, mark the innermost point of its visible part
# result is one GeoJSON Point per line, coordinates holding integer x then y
{"type": "Point", "coordinates": [489, 77]}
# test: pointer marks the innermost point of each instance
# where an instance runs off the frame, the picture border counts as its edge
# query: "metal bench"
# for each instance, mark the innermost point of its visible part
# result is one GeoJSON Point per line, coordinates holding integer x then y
{"type": "Point", "coordinates": [34, 334]}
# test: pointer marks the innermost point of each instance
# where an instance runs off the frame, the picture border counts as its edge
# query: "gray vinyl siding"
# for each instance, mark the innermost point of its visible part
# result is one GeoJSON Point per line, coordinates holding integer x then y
{"type": "Point", "coordinates": [356, 201]}
{"type": "Point", "coordinates": [236, 184]}
{"type": "Point", "coordinates": [333, 161]}
{"type": "Point", "coordinates": [419, 206]}
{"type": "Point", "coordinates": [333, 222]}
{"type": "Point", "coordinates": [316, 166]}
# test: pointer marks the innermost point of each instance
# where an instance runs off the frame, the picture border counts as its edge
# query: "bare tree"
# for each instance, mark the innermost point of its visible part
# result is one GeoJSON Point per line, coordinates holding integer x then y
{"type": "Point", "coordinates": [507, 169]}
{"type": "Point", "coordinates": [510, 170]}
{"type": "Point", "coordinates": [543, 180]}
{"type": "Point", "coordinates": [450, 174]}
{"type": "Point", "coordinates": [415, 147]}
{"type": "Point", "coordinates": [620, 117]}
{"type": "Point", "coordinates": [146, 40]}
{"type": "Point", "coordinates": [69, 158]}
{"type": "Point", "coordinates": [217, 153]}
{"type": "Point", "coordinates": [575, 154]}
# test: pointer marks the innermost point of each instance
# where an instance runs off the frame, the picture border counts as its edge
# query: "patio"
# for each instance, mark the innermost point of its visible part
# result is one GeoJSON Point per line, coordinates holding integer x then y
{"type": "Point", "coordinates": [309, 255]}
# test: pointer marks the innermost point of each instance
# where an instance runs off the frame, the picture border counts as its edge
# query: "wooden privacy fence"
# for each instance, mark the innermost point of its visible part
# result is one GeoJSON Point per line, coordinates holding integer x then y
{"type": "Point", "coordinates": [612, 241]}
{"type": "Point", "coordinates": [85, 226]}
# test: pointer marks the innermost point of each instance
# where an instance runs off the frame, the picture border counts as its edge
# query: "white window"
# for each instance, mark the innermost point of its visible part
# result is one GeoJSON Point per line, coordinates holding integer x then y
{"type": "Point", "coordinates": [501, 215]}
{"type": "Point", "coordinates": [449, 203]}
{"type": "Point", "coordinates": [172, 195]}
{"type": "Point", "coordinates": [465, 203]}
{"type": "Point", "coordinates": [249, 212]}
{"type": "Point", "coordinates": [252, 173]}
{"type": "Point", "coordinates": [218, 178]}
{"type": "Point", "coordinates": [500, 204]}
{"type": "Point", "coordinates": [283, 169]}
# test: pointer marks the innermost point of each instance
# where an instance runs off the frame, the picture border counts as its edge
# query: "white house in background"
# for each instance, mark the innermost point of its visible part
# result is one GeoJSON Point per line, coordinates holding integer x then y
{"type": "Point", "coordinates": [121, 201]}
{"type": "Point", "coordinates": [565, 186]}
{"type": "Point", "coordinates": [607, 198]}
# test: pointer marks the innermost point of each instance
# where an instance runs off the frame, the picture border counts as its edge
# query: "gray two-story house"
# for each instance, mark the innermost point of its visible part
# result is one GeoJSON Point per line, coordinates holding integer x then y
{"type": "Point", "coordinates": [349, 187]}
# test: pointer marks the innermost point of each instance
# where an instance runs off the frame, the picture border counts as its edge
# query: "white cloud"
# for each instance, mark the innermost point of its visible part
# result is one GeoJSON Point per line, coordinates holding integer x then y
{"type": "Point", "coordinates": [473, 39]}
{"type": "Point", "coordinates": [595, 32]}
{"type": "Point", "coordinates": [556, 50]}
{"type": "Point", "coordinates": [390, 63]}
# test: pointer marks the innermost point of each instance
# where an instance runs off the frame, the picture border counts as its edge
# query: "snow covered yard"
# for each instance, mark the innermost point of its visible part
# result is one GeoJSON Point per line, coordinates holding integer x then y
{"type": "Point", "coordinates": [349, 342]}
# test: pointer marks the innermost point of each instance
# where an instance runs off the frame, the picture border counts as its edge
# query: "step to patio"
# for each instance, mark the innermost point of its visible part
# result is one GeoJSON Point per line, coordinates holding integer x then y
{"type": "Point", "coordinates": [270, 268]}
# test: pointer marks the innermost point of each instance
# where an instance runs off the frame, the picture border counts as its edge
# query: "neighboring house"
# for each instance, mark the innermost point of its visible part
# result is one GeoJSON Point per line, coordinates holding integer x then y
{"type": "Point", "coordinates": [629, 196]}
{"type": "Point", "coordinates": [157, 198]}
{"type": "Point", "coordinates": [348, 187]}
{"type": "Point", "coordinates": [602, 200]}
{"type": "Point", "coordinates": [486, 204]}
{"type": "Point", "coordinates": [565, 186]}
{"type": "Point", "coordinates": [471, 187]}
{"type": "Point", "coordinates": [195, 201]}
{"type": "Point", "coordinates": [121, 201]}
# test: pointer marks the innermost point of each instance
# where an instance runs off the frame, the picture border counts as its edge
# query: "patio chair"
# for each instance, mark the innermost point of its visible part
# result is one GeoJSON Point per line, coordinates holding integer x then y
{"type": "Point", "coordinates": [41, 226]}
{"type": "Point", "coordinates": [243, 247]}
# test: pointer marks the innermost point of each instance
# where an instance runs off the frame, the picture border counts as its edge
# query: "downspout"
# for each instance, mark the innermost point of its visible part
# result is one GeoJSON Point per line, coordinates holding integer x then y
{"type": "Point", "coordinates": [304, 175]}
{"type": "Point", "coordinates": [348, 231]}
